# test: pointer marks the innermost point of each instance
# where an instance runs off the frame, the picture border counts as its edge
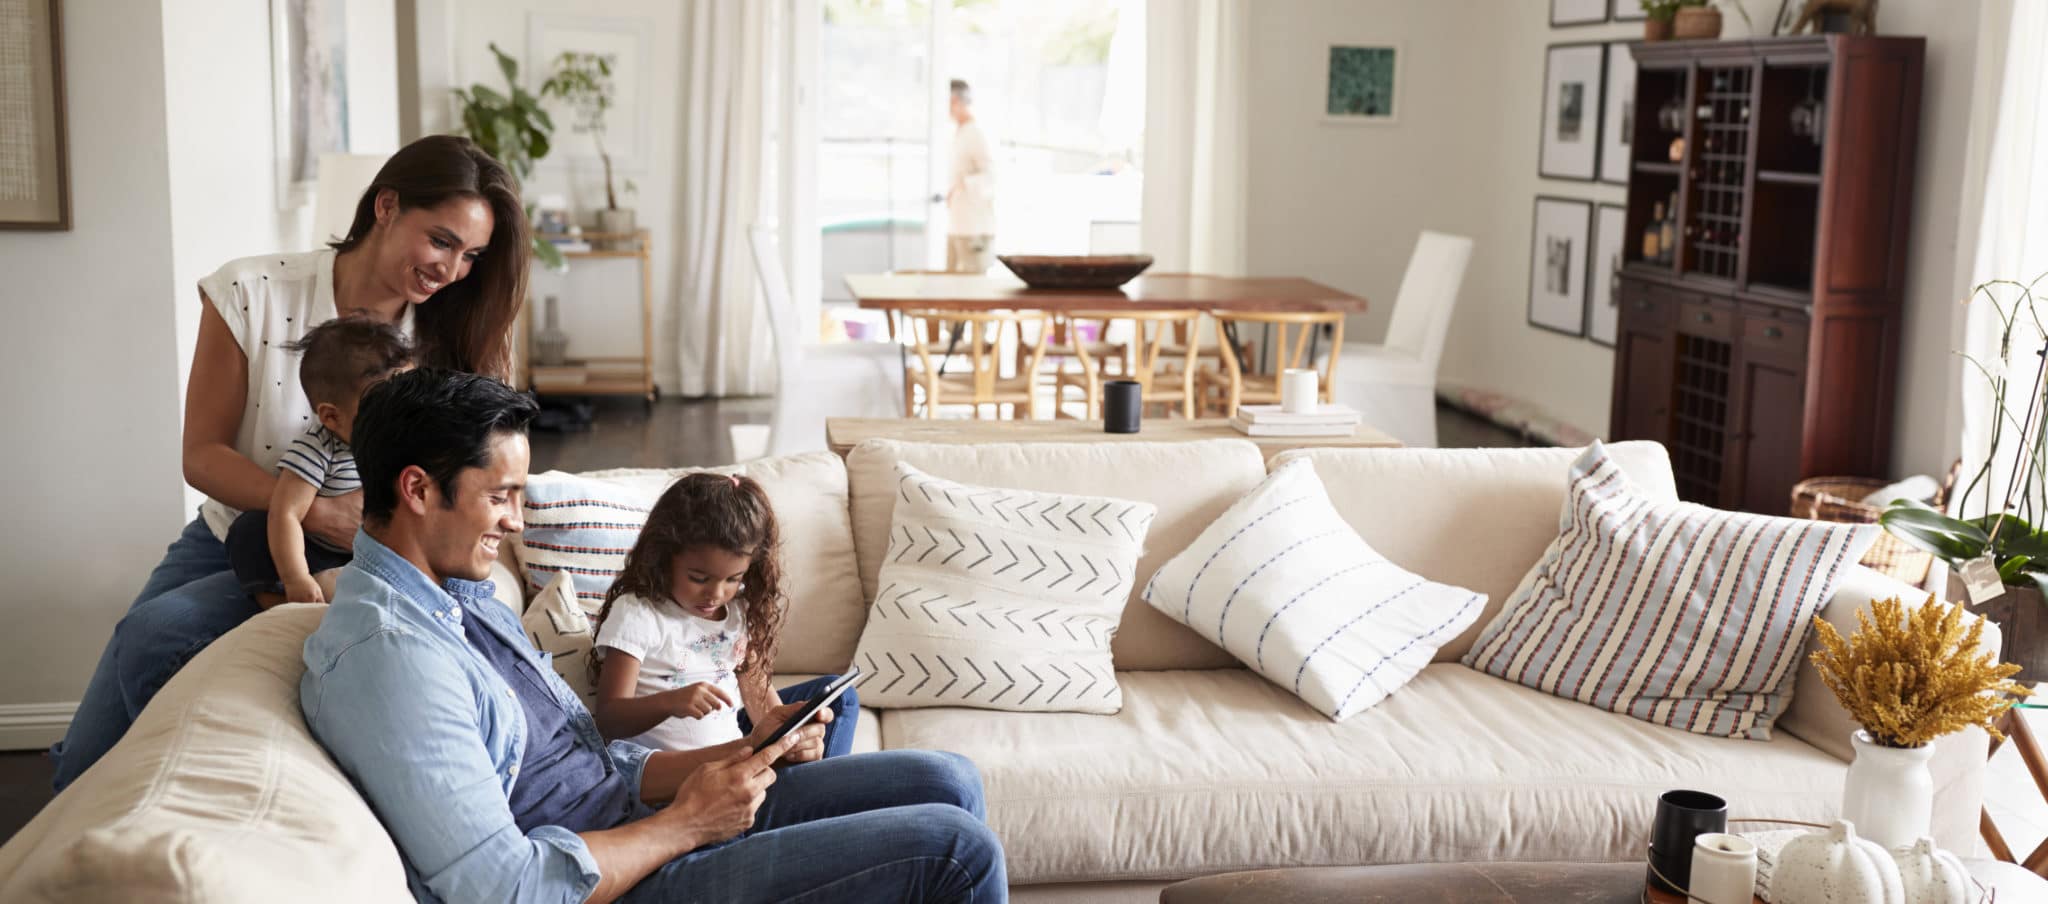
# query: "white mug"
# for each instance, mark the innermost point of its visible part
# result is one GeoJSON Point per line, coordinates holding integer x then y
{"type": "Point", "coordinates": [1298, 388]}
{"type": "Point", "coordinates": [1723, 869]}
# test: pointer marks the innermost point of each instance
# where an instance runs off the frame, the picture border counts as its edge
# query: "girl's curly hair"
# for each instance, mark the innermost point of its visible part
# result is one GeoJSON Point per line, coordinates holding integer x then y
{"type": "Point", "coordinates": [730, 512]}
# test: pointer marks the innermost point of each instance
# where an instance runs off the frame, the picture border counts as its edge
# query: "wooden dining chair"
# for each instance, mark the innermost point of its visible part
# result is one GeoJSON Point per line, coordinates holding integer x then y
{"type": "Point", "coordinates": [1165, 372]}
{"type": "Point", "coordinates": [1294, 345]}
{"type": "Point", "coordinates": [972, 373]}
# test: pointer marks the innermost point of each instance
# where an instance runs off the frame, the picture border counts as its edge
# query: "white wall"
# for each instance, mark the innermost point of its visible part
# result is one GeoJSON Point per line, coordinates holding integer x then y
{"type": "Point", "coordinates": [1343, 204]}
{"type": "Point", "coordinates": [91, 400]}
{"type": "Point", "coordinates": [600, 298]}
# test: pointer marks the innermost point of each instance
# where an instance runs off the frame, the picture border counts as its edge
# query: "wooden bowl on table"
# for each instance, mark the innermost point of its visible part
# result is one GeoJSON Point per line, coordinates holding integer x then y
{"type": "Point", "coordinates": [1078, 271]}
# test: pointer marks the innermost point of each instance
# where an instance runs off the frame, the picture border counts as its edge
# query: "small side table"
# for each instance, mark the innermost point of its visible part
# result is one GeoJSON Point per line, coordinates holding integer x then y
{"type": "Point", "coordinates": [2013, 725]}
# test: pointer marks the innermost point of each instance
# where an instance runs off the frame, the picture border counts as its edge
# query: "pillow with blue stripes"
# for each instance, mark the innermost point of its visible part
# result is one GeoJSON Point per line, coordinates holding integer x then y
{"type": "Point", "coordinates": [1281, 582]}
{"type": "Point", "coordinates": [1674, 613]}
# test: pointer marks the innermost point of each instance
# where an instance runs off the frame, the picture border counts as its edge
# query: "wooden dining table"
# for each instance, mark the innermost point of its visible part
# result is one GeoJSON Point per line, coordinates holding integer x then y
{"type": "Point", "coordinates": [1149, 292]}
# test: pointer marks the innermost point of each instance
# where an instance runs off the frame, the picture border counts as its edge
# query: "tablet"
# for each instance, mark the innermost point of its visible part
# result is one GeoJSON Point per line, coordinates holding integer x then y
{"type": "Point", "coordinates": [823, 699]}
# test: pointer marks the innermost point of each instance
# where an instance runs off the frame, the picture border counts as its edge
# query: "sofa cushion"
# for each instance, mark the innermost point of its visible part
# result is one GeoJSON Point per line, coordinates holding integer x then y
{"type": "Point", "coordinates": [570, 528]}
{"type": "Point", "coordinates": [1477, 518]}
{"type": "Point", "coordinates": [998, 598]}
{"type": "Point", "coordinates": [1190, 483]}
{"type": "Point", "coordinates": [1290, 590]}
{"type": "Point", "coordinates": [1670, 612]}
{"type": "Point", "coordinates": [1208, 771]}
{"type": "Point", "coordinates": [558, 626]}
{"type": "Point", "coordinates": [217, 793]}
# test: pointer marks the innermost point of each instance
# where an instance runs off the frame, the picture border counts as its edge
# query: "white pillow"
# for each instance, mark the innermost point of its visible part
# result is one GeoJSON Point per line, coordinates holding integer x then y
{"type": "Point", "coordinates": [1287, 587]}
{"type": "Point", "coordinates": [1000, 599]}
{"type": "Point", "coordinates": [557, 625]}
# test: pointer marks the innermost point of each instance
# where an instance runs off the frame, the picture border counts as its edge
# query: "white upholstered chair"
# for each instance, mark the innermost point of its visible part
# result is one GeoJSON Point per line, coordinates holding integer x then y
{"type": "Point", "coordinates": [1393, 385]}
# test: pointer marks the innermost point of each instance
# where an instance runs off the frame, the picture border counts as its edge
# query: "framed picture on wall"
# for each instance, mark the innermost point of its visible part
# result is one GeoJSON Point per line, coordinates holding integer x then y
{"type": "Point", "coordinates": [1603, 316]}
{"type": "Point", "coordinates": [1618, 114]}
{"type": "Point", "coordinates": [1627, 11]}
{"type": "Point", "coordinates": [623, 42]}
{"type": "Point", "coordinates": [35, 188]}
{"type": "Point", "coordinates": [1557, 264]}
{"type": "Point", "coordinates": [1570, 146]}
{"type": "Point", "coordinates": [1577, 12]}
{"type": "Point", "coordinates": [1361, 83]}
{"type": "Point", "coordinates": [309, 91]}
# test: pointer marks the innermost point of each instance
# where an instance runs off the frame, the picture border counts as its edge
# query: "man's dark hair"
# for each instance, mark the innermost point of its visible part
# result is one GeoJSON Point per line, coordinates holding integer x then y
{"type": "Point", "coordinates": [441, 420]}
{"type": "Point", "coordinates": [961, 91]}
{"type": "Point", "coordinates": [342, 356]}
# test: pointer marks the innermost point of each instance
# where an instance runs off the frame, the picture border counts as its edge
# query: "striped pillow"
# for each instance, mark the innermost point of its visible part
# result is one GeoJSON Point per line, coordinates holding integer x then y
{"type": "Point", "coordinates": [1284, 584]}
{"type": "Point", "coordinates": [582, 528]}
{"type": "Point", "coordinates": [1670, 612]}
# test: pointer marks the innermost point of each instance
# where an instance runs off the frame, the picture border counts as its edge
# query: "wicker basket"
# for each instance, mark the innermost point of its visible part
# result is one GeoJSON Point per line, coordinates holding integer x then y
{"type": "Point", "coordinates": [1836, 499]}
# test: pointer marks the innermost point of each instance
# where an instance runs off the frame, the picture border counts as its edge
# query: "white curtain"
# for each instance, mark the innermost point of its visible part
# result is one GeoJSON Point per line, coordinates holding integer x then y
{"type": "Point", "coordinates": [1195, 136]}
{"type": "Point", "coordinates": [2012, 237]}
{"type": "Point", "coordinates": [731, 103]}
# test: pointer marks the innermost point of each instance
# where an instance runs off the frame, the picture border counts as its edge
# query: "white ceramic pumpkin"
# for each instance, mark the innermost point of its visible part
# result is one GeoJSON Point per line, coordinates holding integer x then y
{"type": "Point", "coordinates": [1930, 875]}
{"type": "Point", "coordinates": [1833, 866]}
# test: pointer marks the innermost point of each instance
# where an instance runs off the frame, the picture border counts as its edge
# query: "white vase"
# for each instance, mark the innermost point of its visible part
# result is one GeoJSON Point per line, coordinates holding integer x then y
{"type": "Point", "coordinates": [1889, 793]}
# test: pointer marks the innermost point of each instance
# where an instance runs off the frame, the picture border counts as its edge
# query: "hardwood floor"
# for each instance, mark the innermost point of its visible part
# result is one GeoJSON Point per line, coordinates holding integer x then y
{"type": "Point", "coordinates": [624, 433]}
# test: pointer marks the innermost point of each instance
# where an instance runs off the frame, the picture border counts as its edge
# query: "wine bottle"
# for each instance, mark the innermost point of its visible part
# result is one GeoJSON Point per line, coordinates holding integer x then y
{"type": "Point", "coordinates": [1653, 232]}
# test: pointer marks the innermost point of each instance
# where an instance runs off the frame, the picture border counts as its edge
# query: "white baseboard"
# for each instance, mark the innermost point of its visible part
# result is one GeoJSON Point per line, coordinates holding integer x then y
{"type": "Point", "coordinates": [33, 726]}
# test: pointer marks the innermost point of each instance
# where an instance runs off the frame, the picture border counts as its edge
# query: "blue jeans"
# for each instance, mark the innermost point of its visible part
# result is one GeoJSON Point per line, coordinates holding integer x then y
{"type": "Point", "coordinates": [845, 713]}
{"type": "Point", "coordinates": [900, 825]}
{"type": "Point", "coordinates": [189, 600]}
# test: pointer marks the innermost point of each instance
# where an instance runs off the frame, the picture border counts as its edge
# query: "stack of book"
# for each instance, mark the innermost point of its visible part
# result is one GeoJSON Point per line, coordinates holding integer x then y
{"type": "Point", "coordinates": [1269, 420]}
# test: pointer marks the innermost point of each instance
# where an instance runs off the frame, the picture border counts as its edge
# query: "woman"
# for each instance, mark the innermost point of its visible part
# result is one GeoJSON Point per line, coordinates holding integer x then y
{"type": "Point", "coordinates": [439, 247]}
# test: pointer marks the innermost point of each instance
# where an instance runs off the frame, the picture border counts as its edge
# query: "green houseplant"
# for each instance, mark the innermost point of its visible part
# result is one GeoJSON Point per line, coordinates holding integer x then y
{"type": "Point", "coordinates": [2007, 532]}
{"type": "Point", "coordinates": [512, 127]}
{"type": "Point", "coordinates": [1658, 26]}
{"type": "Point", "coordinates": [582, 82]}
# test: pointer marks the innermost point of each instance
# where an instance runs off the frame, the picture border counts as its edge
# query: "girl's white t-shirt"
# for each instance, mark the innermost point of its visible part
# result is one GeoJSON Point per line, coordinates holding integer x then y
{"type": "Point", "coordinates": [269, 302]}
{"type": "Point", "coordinates": [677, 649]}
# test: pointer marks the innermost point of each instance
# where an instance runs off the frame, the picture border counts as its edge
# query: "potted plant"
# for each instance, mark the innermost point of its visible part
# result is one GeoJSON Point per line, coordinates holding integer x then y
{"type": "Point", "coordinates": [583, 83]}
{"type": "Point", "coordinates": [2005, 533]}
{"type": "Point", "coordinates": [1907, 678]}
{"type": "Point", "coordinates": [1658, 26]}
{"type": "Point", "coordinates": [512, 128]}
{"type": "Point", "coordinates": [1693, 20]}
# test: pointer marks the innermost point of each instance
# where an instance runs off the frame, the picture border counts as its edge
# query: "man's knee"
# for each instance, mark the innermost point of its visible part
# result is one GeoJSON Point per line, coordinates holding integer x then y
{"type": "Point", "coordinates": [947, 778]}
{"type": "Point", "coordinates": [958, 839]}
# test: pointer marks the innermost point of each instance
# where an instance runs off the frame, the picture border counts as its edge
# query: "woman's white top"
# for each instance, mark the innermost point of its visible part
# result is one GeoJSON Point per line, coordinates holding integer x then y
{"type": "Point", "coordinates": [677, 649]}
{"type": "Point", "coordinates": [269, 302]}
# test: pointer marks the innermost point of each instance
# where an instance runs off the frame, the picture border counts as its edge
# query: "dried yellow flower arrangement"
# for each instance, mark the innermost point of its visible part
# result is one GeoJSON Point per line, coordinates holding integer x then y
{"type": "Point", "coordinates": [1909, 679]}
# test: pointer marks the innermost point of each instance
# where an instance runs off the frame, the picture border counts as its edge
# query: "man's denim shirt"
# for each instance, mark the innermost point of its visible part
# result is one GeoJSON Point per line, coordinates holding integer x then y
{"type": "Point", "coordinates": [431, 733]}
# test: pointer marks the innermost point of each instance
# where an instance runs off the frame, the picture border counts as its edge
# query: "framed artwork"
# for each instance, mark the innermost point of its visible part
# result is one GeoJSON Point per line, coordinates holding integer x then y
{"type": "Point", "coordinates": [625, 41]}
{"type": "Point", "coordinates": [1618, 114]}
{"type": "Point", "coordinates": [1603, 314]}
{"type": "Point", "coordinates": [1627, 11]}
{"type": "Point", "coordinates": [1577, 12]}
{"type": "Point", "coordinates": [35, 185]}
{"type": "Point", "coordinates": [1361, 84]}
{"type": "Point", "coordinates": [309, 91]}
{"type": "Point", "coordinates": [1570, 146]}
{"type": "Point", "coordinates": [1557, 264]}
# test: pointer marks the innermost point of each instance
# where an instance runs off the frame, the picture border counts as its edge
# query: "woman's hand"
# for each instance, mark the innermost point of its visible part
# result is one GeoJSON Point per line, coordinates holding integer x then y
{"type": "Point", "coordinates": [696, 701]}
{"type": "Point", "coordinates": [335, 519]}
{"type": "Point", "coordinates": [805, 744]}
{"type": "Point", "coordinates": [719, 799]}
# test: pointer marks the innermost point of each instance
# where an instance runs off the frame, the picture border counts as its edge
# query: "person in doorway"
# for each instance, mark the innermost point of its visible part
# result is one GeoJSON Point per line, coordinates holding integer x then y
{"type": "Point", "coordinates": [971, 197]}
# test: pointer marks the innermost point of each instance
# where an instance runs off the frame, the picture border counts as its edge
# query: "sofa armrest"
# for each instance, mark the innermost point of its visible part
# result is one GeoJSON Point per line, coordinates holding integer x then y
{"type": "Point", "coordinates": [1818, 719]}
{"type": "Point", "coordinates": [507, 585]}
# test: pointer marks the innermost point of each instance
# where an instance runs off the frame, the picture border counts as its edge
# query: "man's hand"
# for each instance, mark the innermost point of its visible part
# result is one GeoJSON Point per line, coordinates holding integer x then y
{"type": "Point", "coordinates": [719, 800]}
{"type": "Point", "coordinates": [336, 518]}
{"type": "Point", "coordinates": [303, 589]}
{"type": "Point", "coordinates": [697, 701]}
{"type": "Point", "coordinates": [804, 745]}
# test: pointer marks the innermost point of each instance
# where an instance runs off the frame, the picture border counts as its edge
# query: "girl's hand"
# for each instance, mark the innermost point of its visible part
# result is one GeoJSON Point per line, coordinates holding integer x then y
{"type": "Point", "coordinates": [335, 519]}
{"type": "Point", "coordinates": [303, 590]}
{"type": "Point", "coordinates": [697, 700]}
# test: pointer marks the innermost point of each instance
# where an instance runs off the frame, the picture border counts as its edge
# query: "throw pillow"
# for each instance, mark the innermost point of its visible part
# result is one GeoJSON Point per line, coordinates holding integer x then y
{"type": "Point", "coordinates": [1000, 599]}
{"type": "Point", "coordinates": [581, 529]}
{"type": "Point", "coordinates": [557, 625]}
{"type": "Point", "coordinates": [1286, 586]}
{"type": "Point", "coordinates": [1670, 612]}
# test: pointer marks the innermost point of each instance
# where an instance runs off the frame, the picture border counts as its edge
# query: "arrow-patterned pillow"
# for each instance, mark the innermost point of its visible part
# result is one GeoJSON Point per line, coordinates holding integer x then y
{"type": "Point", "coordinates": [1000, 599]}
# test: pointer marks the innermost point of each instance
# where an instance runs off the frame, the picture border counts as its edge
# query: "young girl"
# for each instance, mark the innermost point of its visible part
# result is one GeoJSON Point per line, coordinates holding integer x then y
{"type": "Point", "coordinates": [689, 629]}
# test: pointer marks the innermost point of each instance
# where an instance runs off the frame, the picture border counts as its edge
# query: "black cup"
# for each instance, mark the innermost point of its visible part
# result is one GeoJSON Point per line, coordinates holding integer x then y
{"type": "Point", "coordinates": [1681, 817]}
{"type": "Point", "coordinates": [1121, 403]}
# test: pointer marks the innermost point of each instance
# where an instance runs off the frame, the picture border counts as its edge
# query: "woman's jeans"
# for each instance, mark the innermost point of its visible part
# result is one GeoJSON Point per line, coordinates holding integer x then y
{"type": "Point", "coordinates": [190, 599]}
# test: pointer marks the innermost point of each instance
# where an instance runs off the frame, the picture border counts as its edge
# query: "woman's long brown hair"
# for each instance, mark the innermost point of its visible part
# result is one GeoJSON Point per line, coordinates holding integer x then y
{"type": "Point", "coordinates": [468, 324]}
{"type": "Point", "coordinates": [705, 509]}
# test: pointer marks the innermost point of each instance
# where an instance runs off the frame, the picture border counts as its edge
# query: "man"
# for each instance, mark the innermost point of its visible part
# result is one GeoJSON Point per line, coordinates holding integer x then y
{"type": "Point", "coordinates": [971, 199]}
{"type": "Point", "coordinates": [490, 775]}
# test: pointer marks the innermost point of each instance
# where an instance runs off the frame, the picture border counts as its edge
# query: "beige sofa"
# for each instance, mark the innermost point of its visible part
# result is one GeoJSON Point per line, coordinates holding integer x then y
{"type": "Point", "coordinates": [220, 794]}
